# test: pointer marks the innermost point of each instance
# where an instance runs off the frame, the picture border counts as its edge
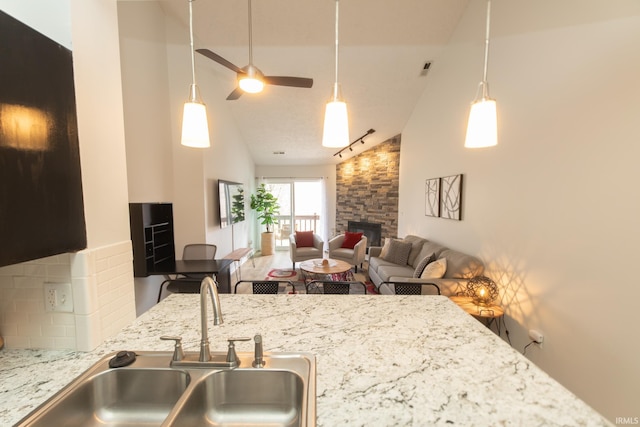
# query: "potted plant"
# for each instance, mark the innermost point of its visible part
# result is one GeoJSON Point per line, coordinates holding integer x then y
{"type": "Point", "coordinates": [267, 207]}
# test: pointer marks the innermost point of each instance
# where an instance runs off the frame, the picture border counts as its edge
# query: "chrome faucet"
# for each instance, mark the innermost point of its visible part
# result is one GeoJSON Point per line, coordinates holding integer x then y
{"type": "Point", "coordinates": [208, 286]}
{"type": "Point", "coordinates": [206, 359]}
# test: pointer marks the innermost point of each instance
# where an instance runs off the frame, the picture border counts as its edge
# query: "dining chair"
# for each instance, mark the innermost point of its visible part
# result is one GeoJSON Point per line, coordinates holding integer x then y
{"type": "Point", "coordinates": [189, 283]}
{"type": "Point", "coordinates": [335, 287]}
{"type": "Point", "coordinates": [262, 286]}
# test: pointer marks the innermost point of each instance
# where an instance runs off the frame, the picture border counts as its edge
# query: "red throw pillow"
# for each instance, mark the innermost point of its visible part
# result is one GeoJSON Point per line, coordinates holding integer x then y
{"type": "Point", "coordinates": [304, 239]}
{"type": "Point", "coordinates": [351, 240]}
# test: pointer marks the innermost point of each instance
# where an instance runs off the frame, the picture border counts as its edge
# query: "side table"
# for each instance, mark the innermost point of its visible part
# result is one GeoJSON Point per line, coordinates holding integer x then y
{"type": "Point", "coordinates": [236, 256]}
{"type": "Point", "coordinates": [488, 314]}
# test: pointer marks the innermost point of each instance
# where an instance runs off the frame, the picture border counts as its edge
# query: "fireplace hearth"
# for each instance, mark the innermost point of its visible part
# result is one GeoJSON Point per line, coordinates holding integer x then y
{"type": "Point", "coordinates": [372, 231]}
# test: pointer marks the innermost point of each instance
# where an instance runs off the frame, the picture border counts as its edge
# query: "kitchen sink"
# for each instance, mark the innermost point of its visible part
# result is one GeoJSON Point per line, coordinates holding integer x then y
{"type": "Point", "coordinates": [241, 397]}
{"type": "Point", "coordinates": [119, 397]}
{"type": "Point", "coordinates": [149, 392]}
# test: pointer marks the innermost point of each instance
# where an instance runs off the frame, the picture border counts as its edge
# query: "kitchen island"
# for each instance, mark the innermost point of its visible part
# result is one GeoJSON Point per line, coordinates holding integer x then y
{"type": "Point", "coordinates": [381, 361]}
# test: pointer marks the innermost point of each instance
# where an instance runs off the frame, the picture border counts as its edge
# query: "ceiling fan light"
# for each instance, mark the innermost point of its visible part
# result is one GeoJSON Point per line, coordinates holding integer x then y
{"type": "Point", "coordinates": [251, 84]}
{"type": "Point", "coordinates": [336, 125]}
{"type": "Point", "coordinates": [195, 129]}
{"type": "Point", "coordinates": [482, 128]}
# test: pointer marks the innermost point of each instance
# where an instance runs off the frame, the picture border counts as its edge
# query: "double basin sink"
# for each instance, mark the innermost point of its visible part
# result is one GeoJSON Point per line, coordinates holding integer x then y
{"type": "Point", "coordinates": [149, 392]}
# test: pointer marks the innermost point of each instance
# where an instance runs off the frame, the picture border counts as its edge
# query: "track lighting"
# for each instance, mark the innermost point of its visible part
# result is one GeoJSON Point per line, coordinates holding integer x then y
{"type": "Point", "coordinates": [350, 146]}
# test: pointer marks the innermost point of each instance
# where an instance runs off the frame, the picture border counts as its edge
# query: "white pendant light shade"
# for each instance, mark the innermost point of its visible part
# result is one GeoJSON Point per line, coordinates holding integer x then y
{"type": "Point", "coordinates": [336, 125]}
{"type": "Point", "coordinates": [336, 120]}
{"type": "Point", "coordinates": [195, 129]}
{"type": "Point", "coordinates": [482, 129]}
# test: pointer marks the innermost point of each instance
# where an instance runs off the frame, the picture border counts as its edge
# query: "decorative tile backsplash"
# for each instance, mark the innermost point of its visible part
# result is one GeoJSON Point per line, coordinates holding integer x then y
{"type": "Point", "coordinates": [102, 291]}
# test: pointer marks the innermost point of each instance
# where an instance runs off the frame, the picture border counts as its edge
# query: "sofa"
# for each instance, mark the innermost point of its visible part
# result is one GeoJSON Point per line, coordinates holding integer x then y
{"type": "Point", "coordinates": [385, 269]}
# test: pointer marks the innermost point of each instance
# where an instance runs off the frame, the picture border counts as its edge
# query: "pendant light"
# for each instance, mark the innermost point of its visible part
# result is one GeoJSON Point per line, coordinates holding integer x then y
{"type": "Point", "coordinates": [195, 129]}
{"type": "Point", "coordinates": [482, 128]}
{"type": "Point", "coordinates": [336, 121]}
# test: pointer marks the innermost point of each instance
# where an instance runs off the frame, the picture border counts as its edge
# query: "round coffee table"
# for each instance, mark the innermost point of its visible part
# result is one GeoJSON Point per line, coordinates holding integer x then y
{"type": "Point", "coordinates": [335, 271]}
{"type": "Point", "coordinates": [334, 266]}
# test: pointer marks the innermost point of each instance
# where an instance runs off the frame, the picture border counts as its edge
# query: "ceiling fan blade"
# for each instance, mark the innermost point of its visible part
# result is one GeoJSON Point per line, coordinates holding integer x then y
{"type": "Point", "coordinates": [219, 59]}
{"type": "Point", "coordinates": [235, 94]}
{"type": "Point", "coordinates": [288, 81]}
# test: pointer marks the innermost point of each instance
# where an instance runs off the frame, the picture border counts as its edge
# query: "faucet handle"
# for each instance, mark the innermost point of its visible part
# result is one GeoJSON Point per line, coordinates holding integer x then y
{"type": "Point", "coordinates": [178, 353]}
{"type": "Point", "coordinates": [232, 356]}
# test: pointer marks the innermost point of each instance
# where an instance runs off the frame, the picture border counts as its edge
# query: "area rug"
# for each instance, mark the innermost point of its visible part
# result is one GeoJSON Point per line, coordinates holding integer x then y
{"type": "Point", "coordinates": [281, 273]}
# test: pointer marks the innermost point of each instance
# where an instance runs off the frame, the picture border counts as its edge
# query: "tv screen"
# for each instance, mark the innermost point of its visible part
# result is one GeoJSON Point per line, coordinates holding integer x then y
{"type": "Point", "coordinates": [231, 202]}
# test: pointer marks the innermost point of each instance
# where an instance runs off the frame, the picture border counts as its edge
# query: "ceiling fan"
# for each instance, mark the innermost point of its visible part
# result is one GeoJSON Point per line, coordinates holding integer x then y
{"type": "Point", "coordinates": [250, 78]}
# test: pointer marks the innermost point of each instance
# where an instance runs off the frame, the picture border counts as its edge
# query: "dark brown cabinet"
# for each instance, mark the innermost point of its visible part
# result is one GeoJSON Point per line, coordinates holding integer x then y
{"type": "Point", "coordinates": [152, 237]}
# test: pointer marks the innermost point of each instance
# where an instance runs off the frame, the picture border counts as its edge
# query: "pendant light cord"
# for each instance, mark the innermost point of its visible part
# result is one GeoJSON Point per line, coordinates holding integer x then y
{"type": "Point", "coordinates": [485, 89]}
{"type": "Point", "coordinates": [250, 37]}
{"type": "Point", "coordinates": [335, 86]}
{"type": "Point", "coordinates": [193, 95]}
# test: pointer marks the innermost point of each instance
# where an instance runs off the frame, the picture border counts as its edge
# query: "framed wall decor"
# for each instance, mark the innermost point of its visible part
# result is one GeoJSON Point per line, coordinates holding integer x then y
{"type": "Point", "coordinates": [432, 197]}
{"type": "Point", "coordinates": [451, 197]}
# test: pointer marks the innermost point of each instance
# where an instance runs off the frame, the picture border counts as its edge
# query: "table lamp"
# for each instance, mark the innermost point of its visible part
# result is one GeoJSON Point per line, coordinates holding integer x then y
{"type": "Point", "coordinates": [482, 290]}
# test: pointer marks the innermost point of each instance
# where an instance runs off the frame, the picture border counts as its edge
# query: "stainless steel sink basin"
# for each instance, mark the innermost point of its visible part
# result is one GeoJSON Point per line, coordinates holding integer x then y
{"type": "Point", "coordinates": [242, 397]}
{"type": "Point", "coordinates": [119, 397]}
{"type": "Point", "coordinates": [151, 393]}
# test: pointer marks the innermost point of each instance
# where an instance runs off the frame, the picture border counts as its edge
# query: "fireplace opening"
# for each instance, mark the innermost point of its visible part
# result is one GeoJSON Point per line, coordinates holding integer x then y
{"type": "Point", "coordinates": [372, 231]}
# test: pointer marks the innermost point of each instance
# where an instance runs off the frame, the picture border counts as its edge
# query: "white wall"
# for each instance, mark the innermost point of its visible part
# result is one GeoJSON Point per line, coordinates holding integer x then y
{"type": "Point", "coordinates": [145, 85]}
{"type": "Point", "coordinates": [49, 17]}
{"type": "Point", "coordinates": [553, 209]}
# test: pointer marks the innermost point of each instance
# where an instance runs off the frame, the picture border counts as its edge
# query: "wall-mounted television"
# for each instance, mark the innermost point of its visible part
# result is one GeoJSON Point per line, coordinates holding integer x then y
{"type": "Point", "coordinates": [231, 202]}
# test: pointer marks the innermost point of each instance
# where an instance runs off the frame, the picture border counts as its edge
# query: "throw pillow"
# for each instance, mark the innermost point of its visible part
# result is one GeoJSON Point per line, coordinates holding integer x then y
{"type": "Point", "coordinates": [422, 264]}
{"type": "Point", "coordinates": [398, 252]}
{"type": "Point", "coordinates": [350, 239]}
{"type": "Point", "coordinates": [385, 248]}
{"type": "Point", "coordinates": [435, 270]}
{"type": "Point", "coordinates": [304, 239]}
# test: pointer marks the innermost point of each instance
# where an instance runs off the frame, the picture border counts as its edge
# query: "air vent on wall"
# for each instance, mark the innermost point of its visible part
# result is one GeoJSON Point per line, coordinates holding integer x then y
{"type": "Point", "coordinates": [425, 68]}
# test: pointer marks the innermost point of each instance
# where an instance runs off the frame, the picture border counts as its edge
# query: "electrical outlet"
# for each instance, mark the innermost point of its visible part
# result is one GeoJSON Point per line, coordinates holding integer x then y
{"type": "Point", "coordinates": [536, 336]}
{"type": "Point", "coordinates": [58, 297]}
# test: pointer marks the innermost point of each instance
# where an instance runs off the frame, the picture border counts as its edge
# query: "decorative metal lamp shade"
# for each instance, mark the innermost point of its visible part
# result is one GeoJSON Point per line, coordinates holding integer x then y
{"type": "Point", "coordinates": [483, 290]}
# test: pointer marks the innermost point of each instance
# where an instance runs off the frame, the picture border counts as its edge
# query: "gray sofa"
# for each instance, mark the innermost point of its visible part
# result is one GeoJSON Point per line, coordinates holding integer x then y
{"type": "Point", "coordinates": [460, 268]}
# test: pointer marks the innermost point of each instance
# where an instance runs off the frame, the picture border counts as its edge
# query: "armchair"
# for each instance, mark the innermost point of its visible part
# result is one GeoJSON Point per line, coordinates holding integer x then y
{"type": "Point", "coordinates": [353, 256]}
{"type": "Point", "coordinates": [310, 250]}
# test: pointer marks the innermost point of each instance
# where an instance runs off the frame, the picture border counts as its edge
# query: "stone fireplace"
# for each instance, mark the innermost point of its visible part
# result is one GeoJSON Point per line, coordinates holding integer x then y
{"type": "Point", "coordinates": [367, 188]}
{"type": "Point", "coordinates": [372, 231]}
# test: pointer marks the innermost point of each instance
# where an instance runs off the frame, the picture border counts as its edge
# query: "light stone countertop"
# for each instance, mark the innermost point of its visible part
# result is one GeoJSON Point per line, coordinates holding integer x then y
{"type": "Point", "coordinates": [381, 360]}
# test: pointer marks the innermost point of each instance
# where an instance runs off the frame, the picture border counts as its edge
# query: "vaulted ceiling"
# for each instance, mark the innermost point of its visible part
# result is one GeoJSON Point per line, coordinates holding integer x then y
{"type": "Point", "coordinates": [384, 46]}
